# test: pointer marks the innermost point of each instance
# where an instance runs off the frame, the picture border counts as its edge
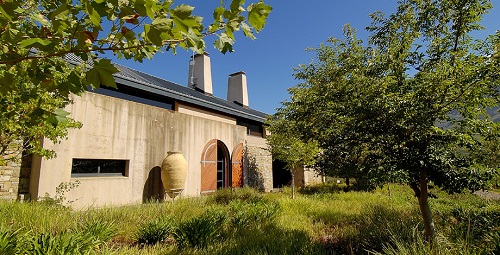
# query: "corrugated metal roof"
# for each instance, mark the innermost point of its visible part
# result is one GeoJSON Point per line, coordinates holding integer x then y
{"type": "Point", "coordinates": [146, 82]}
{"type": "Point", "coordinates": [136, 79]}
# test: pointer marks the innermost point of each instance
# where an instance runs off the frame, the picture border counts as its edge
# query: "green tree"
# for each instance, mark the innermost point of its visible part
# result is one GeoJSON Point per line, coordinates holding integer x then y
{"type": "Point", "coordinates": [289, 148]}
{"type": "Point", "coordinates": [410, 104]}
{"type": "Point", "coordinates": [36, 36]}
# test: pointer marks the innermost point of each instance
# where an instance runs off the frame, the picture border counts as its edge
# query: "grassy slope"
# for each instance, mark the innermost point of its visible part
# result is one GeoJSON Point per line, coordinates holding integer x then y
{"type": "Point", "coordinates": [319, 223]}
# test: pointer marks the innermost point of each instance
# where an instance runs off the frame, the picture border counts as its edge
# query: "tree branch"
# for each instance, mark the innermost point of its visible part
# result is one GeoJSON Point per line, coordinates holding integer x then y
{"type": "Point", "coordinates": [62, 53]}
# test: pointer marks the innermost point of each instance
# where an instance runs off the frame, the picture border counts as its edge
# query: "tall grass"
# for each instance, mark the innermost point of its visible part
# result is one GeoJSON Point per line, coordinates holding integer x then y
{"type": "Point", "coordinates": [320, 220]}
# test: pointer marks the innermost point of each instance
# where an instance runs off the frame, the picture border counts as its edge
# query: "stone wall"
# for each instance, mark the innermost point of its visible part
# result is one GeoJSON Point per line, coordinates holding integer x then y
{"type": "Point", "coordinates": [259, 166]}
{"type": "Point", "coordinates": [15, 175]}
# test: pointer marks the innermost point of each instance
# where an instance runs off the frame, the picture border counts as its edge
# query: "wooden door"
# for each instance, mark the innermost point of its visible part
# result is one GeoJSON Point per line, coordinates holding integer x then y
{"type": "Point", "coordinates": [237, 166]}
{"type": "Point", "coordinates": [209, 167]}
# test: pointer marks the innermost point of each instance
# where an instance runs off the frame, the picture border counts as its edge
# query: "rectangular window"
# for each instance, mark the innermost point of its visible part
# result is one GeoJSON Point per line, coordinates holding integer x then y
{"type": "Point", "coordinates": [253, 128]}
{"type": "Point", "coordinates": [99, 167]}
{"type": "Point", "coordinates": [136, 95]}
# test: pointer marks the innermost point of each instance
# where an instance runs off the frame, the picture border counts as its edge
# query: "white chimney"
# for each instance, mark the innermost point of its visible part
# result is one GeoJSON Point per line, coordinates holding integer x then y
{"type": "Point", "coordinates": [237, 89]}
{"type": "Point", "coordinates": [200, 73]}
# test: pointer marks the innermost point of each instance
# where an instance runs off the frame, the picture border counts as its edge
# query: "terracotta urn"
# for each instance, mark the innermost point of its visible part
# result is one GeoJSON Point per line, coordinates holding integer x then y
{"type": "Point", "coordinates": [174, 173]}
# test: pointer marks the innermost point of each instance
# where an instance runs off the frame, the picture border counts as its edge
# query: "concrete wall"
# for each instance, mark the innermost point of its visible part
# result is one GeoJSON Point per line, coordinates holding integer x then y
{"type": "Point", "coordinates": [119, 129]}
{"type": "Point", "coordinates": [194, 111]}
{"type": "Point", "coordinates": [307, 176]}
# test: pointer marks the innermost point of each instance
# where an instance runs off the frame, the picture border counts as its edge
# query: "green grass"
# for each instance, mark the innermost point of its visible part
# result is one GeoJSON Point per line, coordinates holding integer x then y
{"type": "Point", "coordinates": [321, 220]}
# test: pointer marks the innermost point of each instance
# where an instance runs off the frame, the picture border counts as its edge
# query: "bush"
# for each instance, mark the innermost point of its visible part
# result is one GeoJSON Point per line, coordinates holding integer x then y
{"type": "Point", "coordinates": [225, 196]}
{"type": "Point", "coordinates": [380, 224]}
{"type": "Point", "coordinates": [85, 241]}
{"type": "Point", "coordinates": [8, 241]}
{"type": "Point", "coordinates": [98, 230]}
{"type": "Point", "coordinates": [200, 231]}
{"type": "Point", "coordinates": [253, 215]}
{"type": "Point", "coordinates": [491, 242]}
{"type": "Point", "coordinates": [154, 231]}
{"type": "Point", "coordinates": [476, 226]}
{"type": "Point", "coordinates": [323, 188]}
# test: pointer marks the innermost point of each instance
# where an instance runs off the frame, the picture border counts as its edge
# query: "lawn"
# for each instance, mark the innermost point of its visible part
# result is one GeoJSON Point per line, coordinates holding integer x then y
{"type": "Point", "coordinates": [320, 220]}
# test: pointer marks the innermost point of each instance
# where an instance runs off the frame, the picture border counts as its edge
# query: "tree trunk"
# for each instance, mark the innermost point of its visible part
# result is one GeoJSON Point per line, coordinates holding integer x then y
{"type": "Point", "coordinates": [347, 183]}
{"type": "Point", "coordinates": [293, 185]}
{"type": "Point", "coordinates": [425, 210]}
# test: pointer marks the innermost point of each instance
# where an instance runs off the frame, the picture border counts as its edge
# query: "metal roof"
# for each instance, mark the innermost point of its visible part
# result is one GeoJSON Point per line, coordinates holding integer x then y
{"type": "Point", "coordinates": [146, 82]}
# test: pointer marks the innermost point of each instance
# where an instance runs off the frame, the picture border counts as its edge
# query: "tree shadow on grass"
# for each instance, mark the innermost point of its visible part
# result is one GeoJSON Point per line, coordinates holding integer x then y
{"type": "Point", "coordinates": [377, 225]}
{"type": "Point", "coordinates": [268, 239]}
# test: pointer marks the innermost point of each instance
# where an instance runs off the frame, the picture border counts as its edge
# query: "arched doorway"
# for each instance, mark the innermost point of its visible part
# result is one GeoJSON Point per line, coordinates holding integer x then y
{"type": "Point", "coordinates": [237, 166]}
{"type": "Point", "coordinates": [215, 168]}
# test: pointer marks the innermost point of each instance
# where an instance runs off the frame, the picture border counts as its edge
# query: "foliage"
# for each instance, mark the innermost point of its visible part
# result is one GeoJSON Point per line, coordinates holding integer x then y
{"type": "Point", "coordinates": [85, 241]}
{"type": "Point", "coordinates": [37, 36]}
{"type": "Point", "coordinates": [321, 188]}
{"type": "Point", "coordinates": [200, 231]}
{"type": "Point", "coordinates": [252, 215]}
{"type": "Point", "coordinates": [226, 196]}
{"type": "Point", "coordinates": [378, 223]}
{"type": "Point", "coordinates": [326, 223]}
{"type": "Point", "coordinates": [410, 105]}
{"type": "Point", "coordinates": [476, 225]}
{"type": "Point", "coordinates": [286, 146]}
{"type": "Point", "coordinates": [29, 112]}
{"type": "Point", "coordinates": [60, 197]}
{"type": "Point", "coordinates": [99, 230]}
{"type": "Point", "coordinates": [154, 231]}
{"type": "Point", "coordinates": [8, 240]}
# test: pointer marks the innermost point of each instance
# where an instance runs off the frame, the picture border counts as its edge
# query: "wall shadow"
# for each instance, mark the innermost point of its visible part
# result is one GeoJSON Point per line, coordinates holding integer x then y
{"type": "Point", "coordinates": [281, 175]}
{"type": "Point", "coordinates": [255, 177]}
{"type": "Point", "coordinates": [153, 188]}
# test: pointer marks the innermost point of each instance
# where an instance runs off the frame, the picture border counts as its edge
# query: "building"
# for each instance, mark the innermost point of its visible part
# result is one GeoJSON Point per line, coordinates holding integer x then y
{"type": "Point", "coordinates": [126, 134]}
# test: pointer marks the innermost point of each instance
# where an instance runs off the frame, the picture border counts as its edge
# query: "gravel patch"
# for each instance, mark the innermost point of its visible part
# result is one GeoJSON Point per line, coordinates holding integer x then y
{"type": "Point", "coordinates": [488, 194]}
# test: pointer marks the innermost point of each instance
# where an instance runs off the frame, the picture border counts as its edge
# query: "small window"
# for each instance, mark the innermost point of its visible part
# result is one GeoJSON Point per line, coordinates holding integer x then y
{"type": "Point", "coordinates": [253, 128]}
{"type": "Point", "coordinates": [99, 167]}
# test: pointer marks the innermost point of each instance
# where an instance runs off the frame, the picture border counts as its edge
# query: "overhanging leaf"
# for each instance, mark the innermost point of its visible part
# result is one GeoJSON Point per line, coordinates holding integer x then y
{"type": "Point", "coordinates": [257, 15]}
{"type": "Point", "coordinates": [33, 42]}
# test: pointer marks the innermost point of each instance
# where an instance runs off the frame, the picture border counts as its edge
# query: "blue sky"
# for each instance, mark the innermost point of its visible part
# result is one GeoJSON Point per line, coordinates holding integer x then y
{"type": "Point", "coordinates": [269, 60]}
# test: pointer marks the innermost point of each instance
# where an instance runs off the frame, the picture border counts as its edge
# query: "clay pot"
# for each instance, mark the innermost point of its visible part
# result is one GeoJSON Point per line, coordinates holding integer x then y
{"type": "Point", "coordinates": [173, 173]}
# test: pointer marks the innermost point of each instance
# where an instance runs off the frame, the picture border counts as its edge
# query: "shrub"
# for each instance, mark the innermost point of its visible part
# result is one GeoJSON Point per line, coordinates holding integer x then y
{"type": "Point", "coordinates": [476, 226]}
{"type": "Point", "coordinates": [225, 196]}
{"type": "Point", "coordinates": [154, 231]}
{"type": "Point", "coordinates": [64, 243]}
{"type": "Point", "coordinates": [8, 240]}
{"type": "Point", "coordinates": [491, 242]}
{"type": "Point", "coordinates": [322, 188]}
{"type": "Point", "coordinates": [253, 215]}
{"type": "Point", "coordinates": [379, 224]}
{"type": "Point", "coordinates": [93, 233]}
{"type": "Point", "coordinates": [199, 231]}
{"type": "Point", "coordinates": [98, 230]}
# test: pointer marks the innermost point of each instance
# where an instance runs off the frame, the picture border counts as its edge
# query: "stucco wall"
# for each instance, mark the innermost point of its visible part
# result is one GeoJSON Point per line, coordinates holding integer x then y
{"type": "Point", "coordinates": [191, 110]}
{"type": "Point", "coordinates": [307, 176]}
{"type": "Point", "coordinates": [118, 129]}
